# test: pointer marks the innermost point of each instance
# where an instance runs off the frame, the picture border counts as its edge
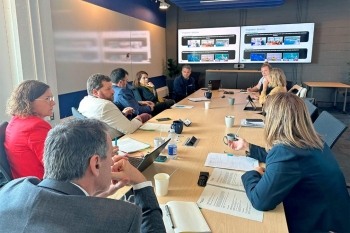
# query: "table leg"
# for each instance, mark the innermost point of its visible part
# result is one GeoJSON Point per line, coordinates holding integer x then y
{"type": "Point", "coordinates": [346, 94]}
{"type": "Point", "coordinates": [335, 98]}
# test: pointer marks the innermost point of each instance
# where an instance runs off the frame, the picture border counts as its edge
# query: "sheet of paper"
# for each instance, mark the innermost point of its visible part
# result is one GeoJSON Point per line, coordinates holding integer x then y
{"type": "Point", "coordinates": [129, 145]}
{"type": "Point", "coordinates": [181, 106]}
{"type": "Point", "coordinates": [156, 127]}
{"type": "Point", "coordinates": [226, 179]}
{"type": "Point", "coordinates": [231, 162]}
{"type": "Point", "coordinates": [198, 99]}
{"type": "Point", "coordinates": [228, 202]}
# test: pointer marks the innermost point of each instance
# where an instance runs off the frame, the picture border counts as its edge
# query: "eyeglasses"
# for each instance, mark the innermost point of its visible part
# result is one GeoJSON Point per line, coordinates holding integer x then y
{"type": "Point", "coordinates": [47, 99]}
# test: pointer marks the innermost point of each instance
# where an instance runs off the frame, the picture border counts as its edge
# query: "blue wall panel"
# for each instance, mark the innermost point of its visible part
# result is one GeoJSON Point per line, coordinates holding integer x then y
{"type": "Point", "coordinates": [145, 10]}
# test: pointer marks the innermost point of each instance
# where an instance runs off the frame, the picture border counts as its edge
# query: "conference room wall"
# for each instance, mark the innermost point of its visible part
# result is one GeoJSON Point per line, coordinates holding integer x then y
{"type": "Point", "coordinates": [331, 42]}
{"type": "Point", "coordinates": [91, 39]}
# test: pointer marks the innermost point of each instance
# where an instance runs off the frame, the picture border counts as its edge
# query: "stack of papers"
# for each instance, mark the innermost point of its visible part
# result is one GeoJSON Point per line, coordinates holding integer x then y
{"type": "Point", "coordinates": [230, 161]}
{"type": "Point", "coordinates": [129, 145]}
{"type": "Point", "coordinates": [198, 99]}
{"type": "Point", "coordinates": [156, 127]}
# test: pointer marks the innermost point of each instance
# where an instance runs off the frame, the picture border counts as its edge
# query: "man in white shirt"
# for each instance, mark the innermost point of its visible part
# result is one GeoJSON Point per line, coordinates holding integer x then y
{"type": "Point", "coordinates": [99, 105]}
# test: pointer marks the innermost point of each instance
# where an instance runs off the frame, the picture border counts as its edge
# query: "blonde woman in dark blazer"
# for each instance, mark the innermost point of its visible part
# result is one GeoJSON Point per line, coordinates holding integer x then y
{"type": "Point", "coordinates": [274, 83]}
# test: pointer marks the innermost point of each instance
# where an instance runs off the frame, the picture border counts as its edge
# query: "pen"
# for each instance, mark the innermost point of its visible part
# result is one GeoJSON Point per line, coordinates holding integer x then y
{"type": "Point", "coordinates": [169, 215]}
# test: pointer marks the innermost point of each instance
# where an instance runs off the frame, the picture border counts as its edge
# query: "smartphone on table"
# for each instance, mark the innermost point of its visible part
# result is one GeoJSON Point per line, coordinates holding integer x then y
{"type": "Point", "coordinates": [161, 158]}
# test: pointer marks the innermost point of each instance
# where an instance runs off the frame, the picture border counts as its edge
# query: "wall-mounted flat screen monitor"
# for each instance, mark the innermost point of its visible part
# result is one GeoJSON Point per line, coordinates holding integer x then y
{"type": "Point", "coordinates": [283, 43]}
{"type": "Point", "coordinates": [208, 45]}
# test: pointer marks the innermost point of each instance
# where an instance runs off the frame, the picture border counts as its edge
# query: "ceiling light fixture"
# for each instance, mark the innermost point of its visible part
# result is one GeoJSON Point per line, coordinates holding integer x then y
{"type": "Point", "coordinates": [163, 5]}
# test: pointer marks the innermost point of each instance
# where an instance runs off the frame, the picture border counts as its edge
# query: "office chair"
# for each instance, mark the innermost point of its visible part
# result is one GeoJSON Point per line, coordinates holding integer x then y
{"type": "Point", "coordinates": [312, 109]}
{"type": "Point", "coordinates": [77, 114]}
{"type": "Point", "coordinates": [329, 127]}
{"type": "Point", "coordinates": [4, 164]}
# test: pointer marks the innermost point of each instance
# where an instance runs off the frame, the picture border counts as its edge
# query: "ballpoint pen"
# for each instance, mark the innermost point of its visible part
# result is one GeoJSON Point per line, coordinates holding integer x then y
{"type": "Point", "coordinates": [169, 216]}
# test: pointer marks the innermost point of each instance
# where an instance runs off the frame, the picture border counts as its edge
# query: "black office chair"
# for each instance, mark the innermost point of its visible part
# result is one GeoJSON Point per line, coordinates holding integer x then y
{"type": "Point", "coordinates": [329, 127]}
{"type": "Point", "coordinates": [77, 114]}
{"type": "Point", "coordinates": [312, 109]}
{"type": "Point", "coordinates": [4, 164]}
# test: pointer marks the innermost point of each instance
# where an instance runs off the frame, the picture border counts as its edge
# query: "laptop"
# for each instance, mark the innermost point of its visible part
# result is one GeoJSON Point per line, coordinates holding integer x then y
{"type": "Point", "coordinates": [215, 84]}
{"type": "Point", "coordinates": [142, 163]}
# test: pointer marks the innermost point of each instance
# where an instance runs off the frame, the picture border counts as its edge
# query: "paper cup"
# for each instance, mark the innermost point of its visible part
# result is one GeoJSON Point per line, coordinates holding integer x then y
{"type": "Point", "coordinates": [207, 104]}
{"type": "Point", "coordinates": [161, 181]}
{"type": "Point", "coordinates": [229, 121]}
{"type": "Point", "coordinates": [158, 141]}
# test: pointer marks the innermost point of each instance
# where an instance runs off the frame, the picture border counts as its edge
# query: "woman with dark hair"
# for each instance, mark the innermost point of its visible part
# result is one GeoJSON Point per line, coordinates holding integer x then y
{"type": "Point", "coordinates": [147, 89]}
{"type": "Point", "coordinates": [28, 105]}
{"type": "Point", "coordinates": [301, 171]}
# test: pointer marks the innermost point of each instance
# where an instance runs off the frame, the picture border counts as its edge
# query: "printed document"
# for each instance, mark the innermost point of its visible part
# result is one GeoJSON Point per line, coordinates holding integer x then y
{"type": "Point", "coordinates": [225, 193]}
{"type": "Point", "coordinates": [230, 161]}
{"type": "Point", "coordinates": [198, 99]}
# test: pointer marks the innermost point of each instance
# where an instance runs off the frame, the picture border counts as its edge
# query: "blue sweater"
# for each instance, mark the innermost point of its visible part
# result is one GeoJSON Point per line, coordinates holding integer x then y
{"type": "Point", "coordinates": [183, 87]}
{"type": "Point", "coordinates": [125, 98]}
{"type": "Point", "coordinates": [310, 184]}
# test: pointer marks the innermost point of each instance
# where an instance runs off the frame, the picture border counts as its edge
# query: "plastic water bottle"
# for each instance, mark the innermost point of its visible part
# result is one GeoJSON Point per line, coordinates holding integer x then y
{"type": "Point", "coordinates": [172, 145]}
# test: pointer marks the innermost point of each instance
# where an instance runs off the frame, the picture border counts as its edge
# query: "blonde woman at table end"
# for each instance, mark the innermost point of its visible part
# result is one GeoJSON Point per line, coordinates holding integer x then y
{"type": "Point", "coordinates": [301, 171]}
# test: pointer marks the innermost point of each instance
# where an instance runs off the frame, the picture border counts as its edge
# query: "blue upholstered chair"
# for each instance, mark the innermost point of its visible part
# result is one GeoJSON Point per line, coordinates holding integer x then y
{"type": "Point", "coordinates": [329, 127]}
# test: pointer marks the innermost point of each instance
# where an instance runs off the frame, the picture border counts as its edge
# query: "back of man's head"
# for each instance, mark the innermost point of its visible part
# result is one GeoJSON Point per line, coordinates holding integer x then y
{"type": "Point", "coordinates": [95, 82]}
{"type": "Point", "coordinates": [118, 74]}
{"type": "Point", "coordinates": [70, 145]}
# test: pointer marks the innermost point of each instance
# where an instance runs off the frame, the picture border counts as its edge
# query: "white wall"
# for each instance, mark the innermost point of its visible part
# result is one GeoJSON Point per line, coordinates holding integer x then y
{"type": "Point", "coordinates": [78, 20]}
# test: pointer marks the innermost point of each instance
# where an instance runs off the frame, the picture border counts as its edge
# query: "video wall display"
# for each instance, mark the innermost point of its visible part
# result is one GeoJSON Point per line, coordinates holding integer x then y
{"type": "Point", "coordinates": [284, 43]}
{"type": "Point", "coordinates": [208, 45]}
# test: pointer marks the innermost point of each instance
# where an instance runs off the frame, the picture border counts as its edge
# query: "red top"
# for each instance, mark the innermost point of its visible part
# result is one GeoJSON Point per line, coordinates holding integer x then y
{"type": "Point", "coordinates": [24, 145]}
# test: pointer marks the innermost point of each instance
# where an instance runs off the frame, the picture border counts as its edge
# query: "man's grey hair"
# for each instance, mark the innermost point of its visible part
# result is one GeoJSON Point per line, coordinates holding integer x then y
{"type": "Point", "coordinates": [95, 82]}
{"type": "Point", "coordinates": [186, 67]}
{"type": "Point", "coordinates": [70, 145]}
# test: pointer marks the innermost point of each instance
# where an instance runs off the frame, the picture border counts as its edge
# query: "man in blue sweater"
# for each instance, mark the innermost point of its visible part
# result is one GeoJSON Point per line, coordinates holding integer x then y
{"type": "Point", "coordinates": [184, 85]}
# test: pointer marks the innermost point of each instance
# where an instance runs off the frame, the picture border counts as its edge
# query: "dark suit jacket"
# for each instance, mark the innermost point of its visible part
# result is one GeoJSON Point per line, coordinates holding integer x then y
{"type": "Point", "coordinates": [52, 206]}
{"type": "Point", "coordinates": [183, 88]}
{"type": "Point", "coordinates": [124, 97]}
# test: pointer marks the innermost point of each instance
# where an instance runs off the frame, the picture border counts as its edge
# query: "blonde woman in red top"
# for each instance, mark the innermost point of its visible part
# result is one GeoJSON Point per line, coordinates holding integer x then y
{"type": "Point", "coordinates": [28, 105]}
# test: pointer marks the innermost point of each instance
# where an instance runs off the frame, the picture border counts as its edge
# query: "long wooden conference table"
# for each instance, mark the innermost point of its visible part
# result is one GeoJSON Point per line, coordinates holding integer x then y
{"type": "Point", "coordinates": [208, 125]}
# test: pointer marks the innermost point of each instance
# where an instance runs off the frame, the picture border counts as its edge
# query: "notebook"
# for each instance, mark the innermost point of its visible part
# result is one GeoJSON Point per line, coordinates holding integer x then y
{"type": "Point", "coordinates": [215, 84]}
{"type": "Point", "coordinates": [185, 217]}
{"type": "Point", "coordinates": [142, 163]}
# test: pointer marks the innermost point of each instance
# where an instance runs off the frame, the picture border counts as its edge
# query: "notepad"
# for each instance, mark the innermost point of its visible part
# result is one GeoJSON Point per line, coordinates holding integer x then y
{"type": "Point", "coordinates": [129, 145]}
{"type": "Point", "coordinates": [186, 217]}
{"type": "Point", "coordinates": [225, 193]}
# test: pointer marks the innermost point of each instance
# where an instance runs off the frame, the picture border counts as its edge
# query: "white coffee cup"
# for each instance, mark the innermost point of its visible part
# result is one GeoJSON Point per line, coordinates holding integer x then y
{"type": "Point", "coordinates": [158, 141]}
{"type": "Point", "coordinates": [161, 181]}
{"type": "Point", "coordinates": [207, 104]}
{"type": "Point", "coordinates": [229, 121]}
{"type": "Point", "coordinates": [231, 101]}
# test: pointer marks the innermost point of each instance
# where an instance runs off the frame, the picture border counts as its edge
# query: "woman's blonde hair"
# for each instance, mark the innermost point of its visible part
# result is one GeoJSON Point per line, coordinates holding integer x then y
{"type": "Point", "coordinates": [278, 78]}
{"type": "Point", "coordinates": [288, 122]}
{"type": "Point", "coordinates": [136, 82]}
{"type": "Point", "coordinates": [22, 97]}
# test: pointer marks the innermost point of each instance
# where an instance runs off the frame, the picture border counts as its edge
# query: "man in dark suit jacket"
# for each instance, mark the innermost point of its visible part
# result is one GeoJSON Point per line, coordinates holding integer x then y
{"type": "Point", "coordinates": [184, 85]}
{"type": "Point", "coordinates": [79, 172]}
